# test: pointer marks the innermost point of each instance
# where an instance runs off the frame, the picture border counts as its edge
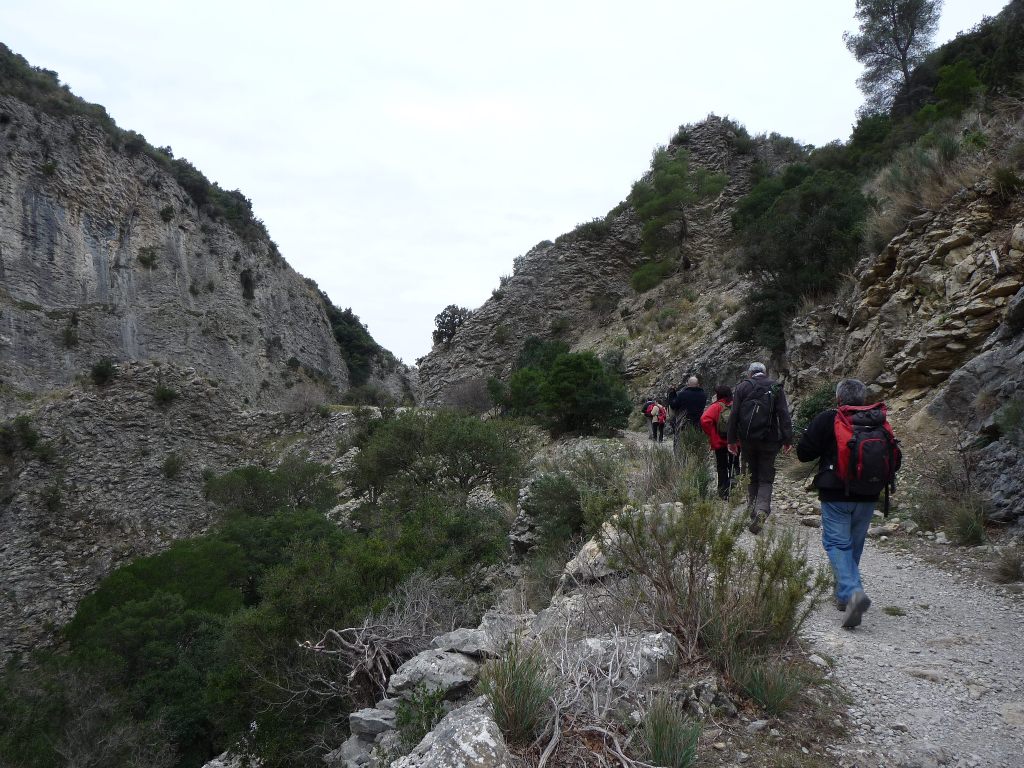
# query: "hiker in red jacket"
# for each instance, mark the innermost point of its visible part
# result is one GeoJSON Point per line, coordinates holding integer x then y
{"type": "Point", "coordinates": [715, 427]}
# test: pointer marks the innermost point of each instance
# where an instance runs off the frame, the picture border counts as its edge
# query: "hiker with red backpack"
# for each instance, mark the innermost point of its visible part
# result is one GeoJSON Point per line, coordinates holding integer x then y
{"type": "Point", "coordinates": [659, 414]}
{"type": "Point", "coordinates": [858, 456]}
{"type": "Point", "coordinates": [760, 418]}
{"type": "Point", "coordinates": [715, 423]}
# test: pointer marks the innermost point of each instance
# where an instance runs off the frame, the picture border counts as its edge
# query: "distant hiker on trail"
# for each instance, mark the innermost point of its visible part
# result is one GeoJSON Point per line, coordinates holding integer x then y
{"type": "Point", "coordinates": [690, 402]}
{"type": "Point", "coordinates": [858, 456]}
{"type": "Point", "coordinates": [715, 423]}
{"type": "Point", "coordinates": [760, 418]}
{"type": "Point", "coordinates": [645, 409]}
{"type": "Point", "coordinates": [673, 413]}
{"type": "Point", "coordinates": [659, 414]}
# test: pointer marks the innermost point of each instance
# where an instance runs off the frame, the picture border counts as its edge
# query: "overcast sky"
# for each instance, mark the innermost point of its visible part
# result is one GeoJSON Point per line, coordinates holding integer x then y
{"type": "Point", "coordinates": [403, 153]}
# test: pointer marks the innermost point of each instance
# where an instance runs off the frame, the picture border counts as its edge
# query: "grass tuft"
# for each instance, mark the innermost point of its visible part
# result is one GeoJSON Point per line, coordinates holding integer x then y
{"type": "Point", "coordinates": [518, 689]}
{"type": "Point", "coordinates": [669, 735]}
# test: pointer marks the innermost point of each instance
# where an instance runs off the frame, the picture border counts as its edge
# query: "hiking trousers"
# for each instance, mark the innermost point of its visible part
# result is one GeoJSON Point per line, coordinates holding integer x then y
{"type": "Point", "coordinates": [761, 465]}
{"type": "Point", "coordinates": [728, 467]}
{"type": "Point", "coordinates": [844, 526]}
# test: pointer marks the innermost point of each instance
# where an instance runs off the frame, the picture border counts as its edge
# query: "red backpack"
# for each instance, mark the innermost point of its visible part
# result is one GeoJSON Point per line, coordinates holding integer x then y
{"type": "Point", "coordinates": [869, 453]}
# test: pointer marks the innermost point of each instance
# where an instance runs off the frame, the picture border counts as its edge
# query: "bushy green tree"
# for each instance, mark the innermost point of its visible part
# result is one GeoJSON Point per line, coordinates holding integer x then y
{"type": "Point", "coordinates": [661, 197]}
{"type": "Point", "coordinates": [797, 245]}
{"type": "Point", "coordinates": [448, 321]}
{"type": "Point", "coordinates": [893, 37]}
{"type": "Point", "coordinates": [581, 395]}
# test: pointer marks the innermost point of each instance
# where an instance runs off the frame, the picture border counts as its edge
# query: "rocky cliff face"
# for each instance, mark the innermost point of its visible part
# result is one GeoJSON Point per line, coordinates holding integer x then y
{"type": "Point", "coordinates": [103, 253]}
{"type": "Point", "coordinates": [578, 289]}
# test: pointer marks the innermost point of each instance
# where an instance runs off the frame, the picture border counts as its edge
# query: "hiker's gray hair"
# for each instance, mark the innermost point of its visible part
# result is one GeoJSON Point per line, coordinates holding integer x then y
{"type": "Point", "coordinates": [756, 368]}
{"type": "Point", "coordinates": [851, 392]}
{"type": "Point", "coordinates": [693, 381]}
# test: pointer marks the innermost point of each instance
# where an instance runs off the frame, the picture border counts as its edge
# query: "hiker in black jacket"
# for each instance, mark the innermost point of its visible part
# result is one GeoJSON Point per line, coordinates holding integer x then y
{"type": "Point", "coordinates": [760, 420]}
{"type": "Point", "coordinates": [845, 516]}
{"type": "Point", "coordinates": [690, 402]}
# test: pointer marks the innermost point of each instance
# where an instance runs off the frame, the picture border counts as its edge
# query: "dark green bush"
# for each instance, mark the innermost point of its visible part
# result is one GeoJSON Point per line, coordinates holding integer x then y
{"type": "Point", "coordinates": [811, 405]}
{"type": "Point", "coordinates": [103, 372]}
{"type": "Point", "coordinates": [147, 256]}
{"type": "Point", "coordinates": [18, 434]}
{"type": "Point", "coordinates": [418, 714]}
{"type": "Point", "coordinates": [660, 198]}
{"type": "Point", "coordinates": [556, 506]}
{"type": "Point", "coordinates": [167, 213]}
{"type": "Point", "coordinates": [775, 685]}
{"type": "Point", "coordinates": [253, 491]}
{"type": "Point", "coordinates": [798, 246]}
{"type": "Point", "coordinates": [647, 276]}
{"type": "Point", "coordinates": [580, 395]}
{"type": "Point", "coordinates": [164, 395]}
{"type": "Point", "coordinates": [445, 452]}
{"type": "Point", "coordinates": [172, 466]}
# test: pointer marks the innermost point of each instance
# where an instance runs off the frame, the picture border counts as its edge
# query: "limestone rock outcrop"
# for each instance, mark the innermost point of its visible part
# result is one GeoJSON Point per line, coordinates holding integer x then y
{"type": "Point", "coordinates": [577, 288]}
{"type": "Point", "coordinates": [104, 254]}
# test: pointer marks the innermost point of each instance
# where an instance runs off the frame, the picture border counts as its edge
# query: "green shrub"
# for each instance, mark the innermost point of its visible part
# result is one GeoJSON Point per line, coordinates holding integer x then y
{"type": "Point", "coordinates": [445, 453]}
{"type": "Point", "coordinates": [669, 736]}
{"type": "Point", "coordinates": [147, 256]}
{"type": "Point", "coordinates": [820, 399]}
{"type": "Point", "coordinates": [560, 324]}
{"type": "Point", "coordinates": [103, 372]}
{"type": "Point", "coordinates": [555, 505]}
{"type": "Point", "coordinates": [965, 522]}
{"type": "Point", "coordinates": [647, 276]}
{"type": "Point", "coordinates": [368, 394]}
{"type": "Point", "coordinates": [18, 434]}
{"type": "Point", "coordinates": [172, 466]}
{"type": "Point", "coordinates": [1008, 183]}
{"type": "Point", "coordinates": [167, 213]}
{"type": "Point", "coordinates": [518, 689]}
{"type": "Point", "coordinates": [720, 600]}
{"type": "Point", "coordinates": [798, 247]}
{"type": "Point", "coordinates": [69, 337]}
{"type": "Point", "coordinates": [1010, 566]}
{"type": "Point", "coordinates": [1010, 420]}
{"type": "Point", "coordinates": [774, 684]}
{"type": "Point", "coordinates": [659, 199]}
{"type": "Point", "coordinates": [580, 395]}
{"type": "Point", "coordinates": [255, 492]}
{"type": "Point", "coordinates": [164, 395]}
{"type": "Point", "coordinates": [418, 714]}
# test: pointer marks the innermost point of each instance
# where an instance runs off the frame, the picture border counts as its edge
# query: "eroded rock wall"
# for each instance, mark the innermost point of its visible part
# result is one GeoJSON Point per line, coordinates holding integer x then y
{"type": "Point", "coordinates": [102, 253]}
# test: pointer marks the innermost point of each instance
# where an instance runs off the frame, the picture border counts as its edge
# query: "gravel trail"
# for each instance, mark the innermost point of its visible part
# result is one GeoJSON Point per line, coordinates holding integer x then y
{"type": "Point", "coordinates": [942, 685]}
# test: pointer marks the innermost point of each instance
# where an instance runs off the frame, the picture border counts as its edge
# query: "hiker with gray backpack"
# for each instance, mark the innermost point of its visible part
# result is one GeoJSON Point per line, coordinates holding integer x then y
{"type": "Point", "coordinates": [715, 423]}
{"type": "Point", "coordinates": [760, 419]}
{"type": "Point", "coordinates": [858, 456]}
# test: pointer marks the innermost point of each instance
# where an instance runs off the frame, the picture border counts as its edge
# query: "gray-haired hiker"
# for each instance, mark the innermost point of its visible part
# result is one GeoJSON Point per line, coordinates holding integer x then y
{"type": "Point", "coordinates": [760, 420]}
{"type": "Point", "coordinates": [858, 458]}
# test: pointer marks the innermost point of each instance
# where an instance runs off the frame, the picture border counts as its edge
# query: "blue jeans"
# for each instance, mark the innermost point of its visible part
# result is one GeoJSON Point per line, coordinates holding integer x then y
{"type": "Point", "coordinates": [844, 525]}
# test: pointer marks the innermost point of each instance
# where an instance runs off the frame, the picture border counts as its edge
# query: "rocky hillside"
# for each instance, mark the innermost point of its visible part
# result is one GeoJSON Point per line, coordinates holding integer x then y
{"type": "Point", "coordinates": [111, 474]}
{"type": "Point", "coordinates": [109, 248]}
{"type": "Point", "coordinates": [932, 322]}
{"type": "Point", "coordinates": [577, 288]}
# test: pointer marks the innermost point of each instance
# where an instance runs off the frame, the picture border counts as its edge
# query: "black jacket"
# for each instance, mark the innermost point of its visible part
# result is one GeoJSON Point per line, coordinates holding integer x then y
{"type": "Point", "coordinates": [690, 401]}
{"type": "Point", "coordinates": [742, 391]}
{"type": "Point", "coordinates": [819, 442]}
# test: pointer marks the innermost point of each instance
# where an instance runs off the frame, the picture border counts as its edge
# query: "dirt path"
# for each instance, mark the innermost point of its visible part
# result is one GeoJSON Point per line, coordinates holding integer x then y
{"type": "Point", "coordinates": [942, 684]}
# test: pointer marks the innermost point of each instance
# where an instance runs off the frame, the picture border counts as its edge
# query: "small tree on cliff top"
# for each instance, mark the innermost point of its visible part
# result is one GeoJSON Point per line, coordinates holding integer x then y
{"type": "Point", "coordinates": [894, 36]}
{"type": "Point", "coordinates": [448, 322]}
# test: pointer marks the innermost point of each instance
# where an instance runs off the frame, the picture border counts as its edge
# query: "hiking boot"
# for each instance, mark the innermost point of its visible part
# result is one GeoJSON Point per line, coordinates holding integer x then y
{"type": "Point", "coordinates": [859, 602]}
{"type": "Point", "coordinates": [841, 605]}
{"type": "Point", "coordinates": [756, 523]}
